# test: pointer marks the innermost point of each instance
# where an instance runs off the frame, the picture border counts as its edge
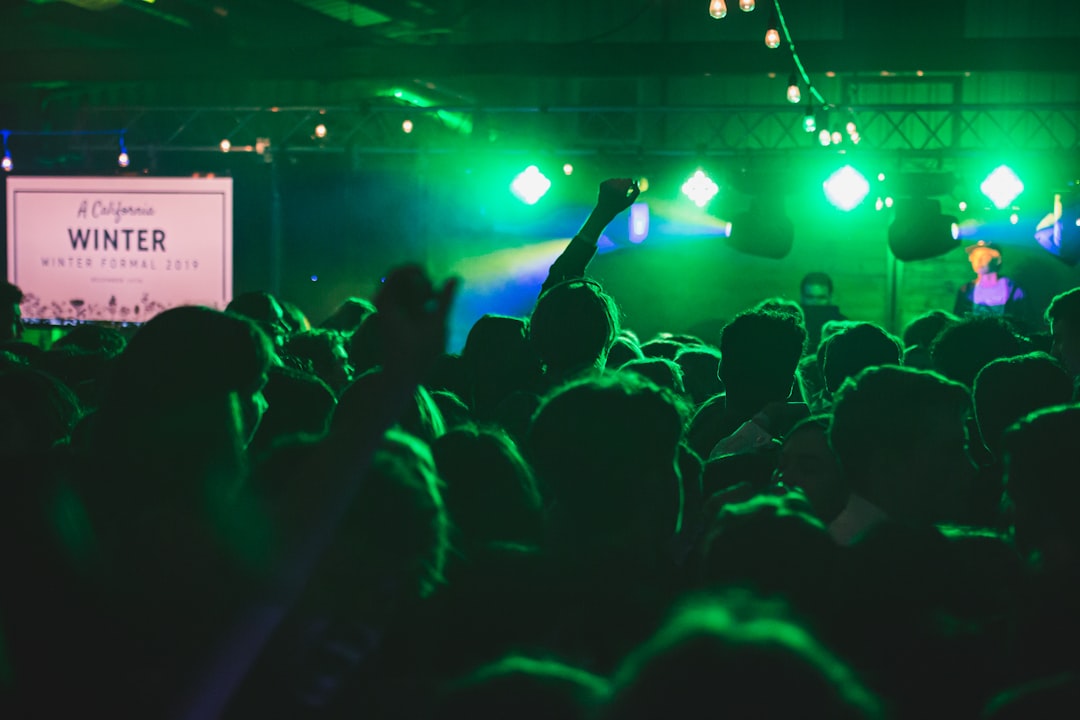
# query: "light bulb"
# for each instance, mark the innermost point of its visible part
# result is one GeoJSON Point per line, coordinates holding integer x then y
{"type": "Point", "coordinates": [746, 5]}
{"type": "Point", "coordinates": [837, 138]}
{"type": "Point", "coordinates": [851, 129]}
{"type": "Point", "coordinates": [809, 123]}
{"type": "Point", "coordinates": [320, 131]}
{"type": "Point", "coordinates": [7, 164]}
{"type": "Point", "coordinates": [888, 202]}
{"type": "Point", "coordinates": [794, 94]}
{"type": "Point", "coordinates": [963, 206]}
{"type": "Point", "coordinates": [718, 8]}
{"type": "Point", "coordinates": [825, 137]}
{"type": "Point", "coordinates": [406, 126]}
{"type": "Point", "coordinates": [123, 160]}
{"type": "Point", "coordinates": [568, 169]}
{"type": "Point", "coordinates": [225, 145]}
{"type": "Point", "coordinates": [772, 38]}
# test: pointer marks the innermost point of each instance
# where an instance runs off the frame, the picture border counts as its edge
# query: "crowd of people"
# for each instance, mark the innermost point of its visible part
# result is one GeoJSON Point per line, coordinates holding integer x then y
{"type": "Point", "coordinates": [241, 514]}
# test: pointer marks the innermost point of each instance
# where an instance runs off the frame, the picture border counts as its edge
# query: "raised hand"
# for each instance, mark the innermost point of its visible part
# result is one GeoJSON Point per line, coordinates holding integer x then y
{"type": "Point", "coordinates": [616, 194]}
{"type": "Point", "coordinates": [414, 315]}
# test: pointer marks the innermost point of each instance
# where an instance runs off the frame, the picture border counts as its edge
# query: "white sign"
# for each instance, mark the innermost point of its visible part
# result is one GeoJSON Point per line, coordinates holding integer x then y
{"type": "Point", "coordinates": [118, 249]}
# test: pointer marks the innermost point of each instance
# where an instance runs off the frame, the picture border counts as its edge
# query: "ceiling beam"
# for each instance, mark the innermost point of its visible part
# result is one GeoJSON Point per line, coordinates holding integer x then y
{"type": "Point", "coordinates": [530, 60]}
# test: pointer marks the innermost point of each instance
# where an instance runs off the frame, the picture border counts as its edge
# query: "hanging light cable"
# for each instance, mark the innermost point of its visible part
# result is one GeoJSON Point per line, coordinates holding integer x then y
{"type": "Point", "coordinates": [795, 56]}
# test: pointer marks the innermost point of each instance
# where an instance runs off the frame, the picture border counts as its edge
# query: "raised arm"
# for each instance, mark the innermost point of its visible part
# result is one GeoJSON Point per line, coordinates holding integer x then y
{"type": "Point", "coordinates": [615, 195]}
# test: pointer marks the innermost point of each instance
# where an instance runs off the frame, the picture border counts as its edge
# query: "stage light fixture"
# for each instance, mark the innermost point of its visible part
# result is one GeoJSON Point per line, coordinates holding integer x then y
{"type": "Point", "coordinates": [920, 231]}
{"type": "Point", "coordinates": [530, 185]}
{"type": "Point", "coordinates": [718, 9]}
{"type": "Point", "coordinates": [765, 230]}
{"type": "Point", "coordinates": [700, 188]}
{"type": "Point", "coordinates": [846, 188]}
{"type": "Point", "coordinates": [1002, 186]}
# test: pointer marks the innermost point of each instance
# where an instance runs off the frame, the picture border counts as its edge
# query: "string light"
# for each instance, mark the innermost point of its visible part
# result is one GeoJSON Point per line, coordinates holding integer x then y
{"type": "Point", "coordinates": [809, 123]}
{"type": "Point", "coordinates": [320, 131]}
{"type": "Point", "coordinates": [406, 126]}
{"type": "Point", "coordinates": [746, 5]}
{"type": "Point", "coordinates": [225, 145]}
{"type": "Point", "coordinates": [772, 35]}
{"type": "Point", "coordinates": [794, 94]}
{"type": "Point", "coordinates": [718, 9]}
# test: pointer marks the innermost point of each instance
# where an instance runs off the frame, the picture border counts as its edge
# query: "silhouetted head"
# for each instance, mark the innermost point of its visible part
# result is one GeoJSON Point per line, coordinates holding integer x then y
{"type": "Point", "coordinates": [701, 372]}
{"type": "Point", "coordinates": [604, 451]}
{"type": "Point", "coordinates": [497, 361]}
{"type": "Point", "coordinates": [349, 315]}
{"type": "Point", "coordinates": [89, 338]}
{"type": "Point", "coordinates": [523, 689]}
{"type": "Point", "coordinates": [573, 327]}
{"type": "Point", "coordinates": [295, 318]}
{"type": "Point", "coordinates": [772, 544]}
{"type": "Point", "coordinates": [188, 355]}
{"type": "Point", "coordinates": [1040, 479]}
{"type": "Point", "coordinates": [265, 310]}
{"type": "Point", "coordinates": [816, 288]}
{"type": "Point", "coordinates": [661, 348]}
{"type": "Point", "coordinates": [489, 489]}
{"type": "Point", "coordinates": [11, 326]}
{"type": "Point", "coordinates": [901, 440]}
{"type": "Point", "coordinates": [962, 348]}
{"type": "Point", "coordinates": [37, 411]}
{"type": "Point", "coordinates": [807, 464]}
{"type": "Point", "coordinates": [1063, 315]}
{"type": "Point", "coordinates": [392, 544]}
{"type": "Point", "coordinates": [322, 353]}
{"type": "Point", "coordinates": [358, 401]}
{"type": "Point", "coordinates": [660, 371]}
{"type": "Point", "coordinates": [759, 354]}
{"type": "Point", "coordinates": [1009, 388]}
{"type": "Point", "coordinates": [623, 350]}
{"type": "Point", "coordinates": [859, 346]}
{"type": "Point", "coordinates": [728, 655]}
{"type": "Point", "coordinates": [921, 331]}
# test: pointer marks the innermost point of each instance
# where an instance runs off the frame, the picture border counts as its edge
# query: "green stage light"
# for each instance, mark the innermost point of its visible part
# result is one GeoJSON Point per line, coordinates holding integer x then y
{"type": "Point", "coordinates": [530, 185]}
{"type": "Point", "coordinates": [846, 188]}
{"type": "Point", "coordinates": [1002, 187]}
{"type": "Point", "coordinates": [700, 188]}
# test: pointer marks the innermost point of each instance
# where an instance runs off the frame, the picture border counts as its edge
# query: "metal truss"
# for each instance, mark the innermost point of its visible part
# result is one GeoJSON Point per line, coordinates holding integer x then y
{"type": "Point", "coordinates": [655, 130]}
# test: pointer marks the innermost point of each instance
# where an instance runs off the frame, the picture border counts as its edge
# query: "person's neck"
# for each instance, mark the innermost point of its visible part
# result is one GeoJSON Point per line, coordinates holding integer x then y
{"type": "Point", "coordinates": [987, 279]}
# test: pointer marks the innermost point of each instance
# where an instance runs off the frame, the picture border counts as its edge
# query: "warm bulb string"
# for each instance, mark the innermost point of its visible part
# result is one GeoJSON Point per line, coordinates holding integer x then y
{"type": "Point", "coordinates": [795, 57]}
